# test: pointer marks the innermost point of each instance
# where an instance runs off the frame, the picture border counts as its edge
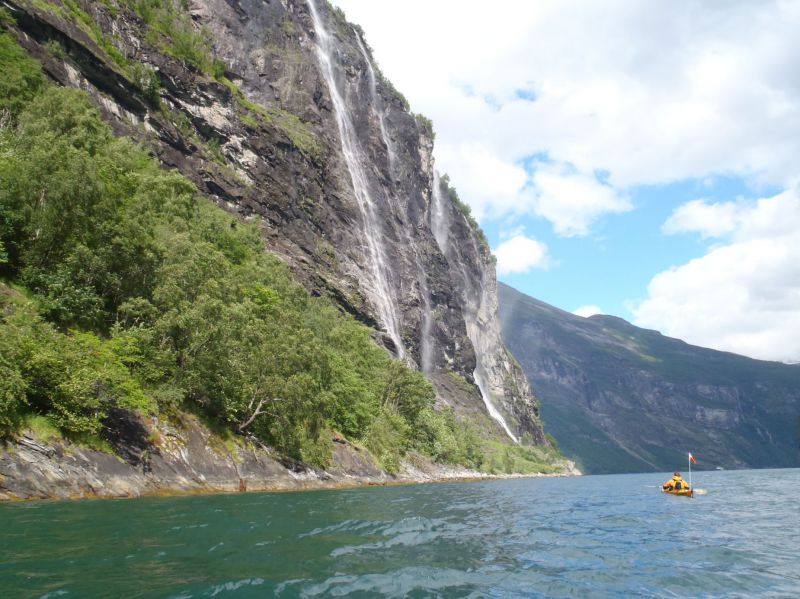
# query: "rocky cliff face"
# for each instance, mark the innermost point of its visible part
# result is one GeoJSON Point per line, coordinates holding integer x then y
{"type": "Point", "coordinates": [623, 399]}
{"type": "Point", "coordinates": [301, 130]}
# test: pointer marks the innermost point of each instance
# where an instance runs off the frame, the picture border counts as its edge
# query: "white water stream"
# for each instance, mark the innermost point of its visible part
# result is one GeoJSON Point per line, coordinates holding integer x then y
{"type": "Point", "coordinates": [353, 155]}
{"type": "Point", "coordinates": [440, 221]}
{"type": "Point", "coordinates": [379, 113]}
{"type": "Point", "coordinates": [440, 225]}
{"type": "Point", "coordinates": [426, 342]}
{"type": "Point", "coordinates": [478, 375]}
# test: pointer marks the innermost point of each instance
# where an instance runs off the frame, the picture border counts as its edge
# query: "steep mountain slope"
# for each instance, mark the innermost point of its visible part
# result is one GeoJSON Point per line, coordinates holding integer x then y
{"type": "Point", "coordinates": [435, 302]}
{"type": "Point", "coordinates": [619, 398]}
{"type": "Point", "coordinates": [276, 110]}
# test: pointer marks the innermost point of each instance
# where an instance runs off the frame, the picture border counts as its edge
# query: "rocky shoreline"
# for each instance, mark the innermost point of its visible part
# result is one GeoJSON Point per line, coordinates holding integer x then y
{"type": "Point", "coordinates": [184, 457]}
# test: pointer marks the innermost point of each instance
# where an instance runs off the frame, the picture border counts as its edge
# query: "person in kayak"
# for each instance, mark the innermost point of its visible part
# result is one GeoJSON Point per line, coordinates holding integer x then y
{"type": "Point", "coordinates": [676, 483]}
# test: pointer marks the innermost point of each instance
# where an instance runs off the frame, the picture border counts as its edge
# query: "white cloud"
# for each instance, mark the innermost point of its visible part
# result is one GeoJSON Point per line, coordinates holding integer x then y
{"type": "Point", "coordinates": [572, 201]}
{"type": "Point", "coordinates": [508, 234]}
{"type": "Point", "coordinates": [708, 219]}
{"type": "Point", "coordinates": [742, 296]}
{"type": "Point", "coordinates": [649, 93]}
{"type": "Point", "coordinates": [496, 186]}
{"type": "Point", "coordinates": [520, 254]}
{"type": "Point", "coordinates": [587, 311]}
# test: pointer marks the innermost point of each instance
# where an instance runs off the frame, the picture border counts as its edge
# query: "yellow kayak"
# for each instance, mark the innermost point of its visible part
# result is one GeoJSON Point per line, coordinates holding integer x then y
{"type": "Point", "coordinates": [677, 486]}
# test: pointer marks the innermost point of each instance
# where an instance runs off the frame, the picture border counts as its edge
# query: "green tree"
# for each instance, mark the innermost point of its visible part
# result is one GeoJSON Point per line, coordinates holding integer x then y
{"type": "Point", "coordinates": [406, 391]}
{"type": "Point", "coordinates": [22, 77]}
{"type": "Point", "coordinates": [13, 386]}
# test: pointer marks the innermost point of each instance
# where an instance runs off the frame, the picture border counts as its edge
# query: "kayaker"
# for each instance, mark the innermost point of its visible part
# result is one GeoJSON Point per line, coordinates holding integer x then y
{"type": "Point", "coordinates": [676, 483]}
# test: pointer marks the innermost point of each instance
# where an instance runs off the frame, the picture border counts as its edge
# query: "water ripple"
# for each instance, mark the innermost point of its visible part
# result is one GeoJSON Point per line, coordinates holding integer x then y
{"type": "Point", "coordinates": [588, 537]}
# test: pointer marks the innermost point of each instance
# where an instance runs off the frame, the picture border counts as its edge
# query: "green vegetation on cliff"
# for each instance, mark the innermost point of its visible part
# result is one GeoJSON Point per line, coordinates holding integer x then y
{"type": "Point", "coordinates": [125, 289]}
{"type": "Point", "coordinates": [450, 192]}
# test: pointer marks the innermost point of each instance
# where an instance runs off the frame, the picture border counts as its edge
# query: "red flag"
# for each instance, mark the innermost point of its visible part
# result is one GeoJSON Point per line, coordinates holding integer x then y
{"type": "Point", "coordinates": [691, 459]}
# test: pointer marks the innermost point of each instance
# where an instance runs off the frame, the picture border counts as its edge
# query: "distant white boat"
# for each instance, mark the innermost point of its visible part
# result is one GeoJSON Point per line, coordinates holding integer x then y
{"type": "Point", "coordinates": [719, 468]}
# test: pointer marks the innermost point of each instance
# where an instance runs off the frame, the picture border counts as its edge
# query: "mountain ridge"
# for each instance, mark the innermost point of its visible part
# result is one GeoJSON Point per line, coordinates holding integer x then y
{"type": "Point", "coordinates": [620, 398]}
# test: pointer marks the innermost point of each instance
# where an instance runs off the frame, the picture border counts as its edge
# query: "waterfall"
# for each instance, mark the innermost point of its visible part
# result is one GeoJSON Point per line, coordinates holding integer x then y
{"type": "Point", "coordinates": [475, 334]}
{"type": "Point", "coordinates": [353, 156]}
{"type": "Point", "coordinates": [473, 300]}
{"type": "Point", "coordinates": [441, 215]}
{"type": "Point", "coordinates": [426, 342]}
{"type": "Point", "coordinates": [440, 223]}
{"type": "Point", "coordinates": [481, 382]}
{"type": "Point", "coordinates": [379, 113]}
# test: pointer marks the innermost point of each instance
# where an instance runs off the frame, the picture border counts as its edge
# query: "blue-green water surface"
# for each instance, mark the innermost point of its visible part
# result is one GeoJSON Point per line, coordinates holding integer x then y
{"type": "Point", "coordinates": [594, 536]}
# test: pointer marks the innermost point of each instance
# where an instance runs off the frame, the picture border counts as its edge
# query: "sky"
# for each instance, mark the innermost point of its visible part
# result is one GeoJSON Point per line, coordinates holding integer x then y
{"type": "Point", "coordinates": [629, 158]}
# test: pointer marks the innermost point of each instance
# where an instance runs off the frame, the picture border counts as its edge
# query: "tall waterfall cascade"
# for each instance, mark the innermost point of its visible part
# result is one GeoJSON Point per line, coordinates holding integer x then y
{"type": "Point", "coordinates": [354, 157]}
{"type": "Point", "coordinates": [440, 223]}
{"type": "Point", "coordinates": [426, 341]}
{"type": "Point", "coordinates": [480, 380]}
{"type": "Point", "coordinates": [392, 154]}
{"type": "Point", "coordinates": [473, 297]}
{"type": "Point", "coordinates": [377, 198]}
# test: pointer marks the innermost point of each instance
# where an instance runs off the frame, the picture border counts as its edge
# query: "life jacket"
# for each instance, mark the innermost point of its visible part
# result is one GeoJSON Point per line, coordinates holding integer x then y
{"type": "Point", "coordinates": [677, 483]}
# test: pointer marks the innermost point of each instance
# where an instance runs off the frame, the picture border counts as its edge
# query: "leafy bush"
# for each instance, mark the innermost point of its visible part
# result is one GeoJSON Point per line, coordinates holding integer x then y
{"type": "Point", "coordinates": [13, 387]}
{"type": "Point", "coordinates": [6, 18]}
{"type": "Point", "coordinates": [170, 27]}
{"type": "Point", "coordinates": [147, 80]}
{"type": "Point", "coordinates": [75, 378]}
{"type": "Point", "coordinates": [387, 439]}
{"type": "Point", "coordinates": [22, 76]}
{"type": "Point", "coordinates": [442, 437]}
{"type": "Point", "coordinates": [502, 458]}
{"type": "Point", "coordinates": [425, 124]}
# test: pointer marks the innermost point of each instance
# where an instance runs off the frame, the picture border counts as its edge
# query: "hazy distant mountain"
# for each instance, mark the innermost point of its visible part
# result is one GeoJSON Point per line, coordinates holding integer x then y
{"type": "Point", "coordinates": [618, 398]}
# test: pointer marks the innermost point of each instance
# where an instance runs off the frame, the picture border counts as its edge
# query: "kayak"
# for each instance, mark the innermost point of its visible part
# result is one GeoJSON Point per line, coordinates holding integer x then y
{"type": "Point", "coordinates": [681, 492]}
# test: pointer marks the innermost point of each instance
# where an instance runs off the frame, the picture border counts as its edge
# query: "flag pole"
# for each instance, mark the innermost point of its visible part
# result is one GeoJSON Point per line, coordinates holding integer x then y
{"type": "Point", "coordinates": [691, 487]}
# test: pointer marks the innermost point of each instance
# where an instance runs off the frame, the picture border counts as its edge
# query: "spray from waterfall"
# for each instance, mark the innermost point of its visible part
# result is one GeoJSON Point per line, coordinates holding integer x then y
{"type": "Point", "coordinates": [354, 158]}
{"type": "Point", "coordinates": [472, 296]}
{"type": "Point", "coordinates": [475, 334]}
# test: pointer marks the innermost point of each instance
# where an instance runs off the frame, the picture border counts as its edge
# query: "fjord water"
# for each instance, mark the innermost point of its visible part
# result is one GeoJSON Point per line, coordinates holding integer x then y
{"type": "Point", "coordinates": [589, 536]}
